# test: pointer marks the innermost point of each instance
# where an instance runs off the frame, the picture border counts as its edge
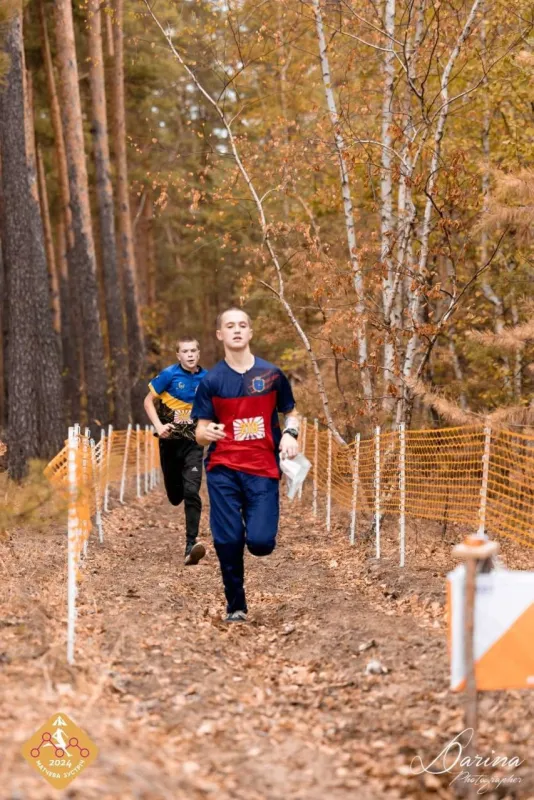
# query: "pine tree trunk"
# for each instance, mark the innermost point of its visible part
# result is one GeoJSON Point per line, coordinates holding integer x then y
{"type": "Point", "coordinates": [69, 301]}
{"type": "Point", "coordinates": [47, 353]}
{"type": "Point", "coordinates": [137, 349]}
{"type": "Point", "coordinates": [22, 434]}
{"type": "Point", "coordinates": [112, 290]}
{"type": "Point", "coordinates": [83, 252]}
{"type": "Point", "coordinates": [148, 214]}
{"type": "Point", "coordinates": [49, 243]}
{"type": "Point", "coordinates": [3, 323]}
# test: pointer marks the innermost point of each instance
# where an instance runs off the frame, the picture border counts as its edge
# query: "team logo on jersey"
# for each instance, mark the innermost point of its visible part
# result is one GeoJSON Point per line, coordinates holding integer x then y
{"type": "Point", "coordinates": [182, 415]}
{"type": "Point", "coordinates": [249, 428]}
{"type": "Point", "coordinates": [181, 385]}
{"type": "Point", "coordinates": [262, 383]}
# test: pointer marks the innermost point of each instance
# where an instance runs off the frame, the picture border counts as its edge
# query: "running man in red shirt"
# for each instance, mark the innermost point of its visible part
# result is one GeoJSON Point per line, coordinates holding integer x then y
{"type": "Point", "coordinates": [237, 405]}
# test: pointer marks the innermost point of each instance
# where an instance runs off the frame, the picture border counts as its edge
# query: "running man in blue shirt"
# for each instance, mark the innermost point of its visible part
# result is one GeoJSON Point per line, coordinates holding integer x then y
{"type": "Point", "coordinates": [180, 456]}
{"type": "Point", "coordinates": [237, 406]}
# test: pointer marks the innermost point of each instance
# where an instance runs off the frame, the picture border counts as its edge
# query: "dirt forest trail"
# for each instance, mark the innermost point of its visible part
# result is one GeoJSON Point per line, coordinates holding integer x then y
{"type": "Point", "coordinates": [183, 706]}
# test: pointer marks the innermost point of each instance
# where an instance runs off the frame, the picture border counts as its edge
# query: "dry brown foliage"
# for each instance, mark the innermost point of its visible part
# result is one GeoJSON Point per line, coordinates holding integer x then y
{"type": "Point", "coordinates": [511, 204]}
{"type": "Point", "coordinates": [448, 409]}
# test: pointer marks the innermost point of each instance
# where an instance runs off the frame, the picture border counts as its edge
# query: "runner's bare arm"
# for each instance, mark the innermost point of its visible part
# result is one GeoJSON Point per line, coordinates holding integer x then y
{"type": "Point", "coordinates": [208, 431]}
{"type": "Point", "coordinates": [289, 446]}
{"type": "Point", "coordinates": [163, 431]}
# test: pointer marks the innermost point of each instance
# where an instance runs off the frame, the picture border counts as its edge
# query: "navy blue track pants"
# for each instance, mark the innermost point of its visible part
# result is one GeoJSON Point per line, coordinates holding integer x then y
{"type": "Point", "coordinates": [244, 510]}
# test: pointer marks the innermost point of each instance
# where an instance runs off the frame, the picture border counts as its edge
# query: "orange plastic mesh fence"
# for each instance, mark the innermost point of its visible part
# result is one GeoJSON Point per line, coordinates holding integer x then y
{"type": "Point", "coordinates": [99, 466]}
{"type": "Point", "coordinates": [445, 474]}
{"type": "Point", "coordinates": [443, 479]}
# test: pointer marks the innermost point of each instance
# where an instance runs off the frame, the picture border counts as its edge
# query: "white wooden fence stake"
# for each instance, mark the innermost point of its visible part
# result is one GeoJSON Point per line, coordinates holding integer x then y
{"type": "Point", "coordinates": [96, 484]}
{"type": "Point", "coordinates": [329, 483]}
{"type": "Point", "coordinates": [86, 445]}
{"type": "Point", "coordinates": [315, 465]}
{"type": "Point", "coordinates": [73, 533]}
{"type": "Point", "coordinates": [101, 471]}
{"type": "Point", "coordinates": [138, 459]}
{"type": "Point", "coordinates": [303, 430]}
{"type": "Point", "coordinates": [377, 490]}
{"type": "Point", "coordinates": [108, 464]}
{"type": "Point", "coordinates": [146, 458]}
{"type": "Point", "coordinates": [152, 458]}
{"type": "Point", "coordinates": [355, 477]}
{"type": "Point", "coordinates": [402, 491]}
{"type": "Point", "coordinates": [125, 463]}
{"type": "Point", "coordinates": [484, 488]}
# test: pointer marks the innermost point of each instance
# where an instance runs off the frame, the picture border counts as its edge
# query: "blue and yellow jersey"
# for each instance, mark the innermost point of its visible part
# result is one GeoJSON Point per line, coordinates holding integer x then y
{"type": "Point", "coordinates": [176, 387]}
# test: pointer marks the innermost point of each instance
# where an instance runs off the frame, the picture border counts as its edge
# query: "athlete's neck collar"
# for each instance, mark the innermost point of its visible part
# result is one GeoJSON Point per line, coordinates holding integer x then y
{"type": "Point", "coordinates": [184, 369]}
{"type": "Point", "coordinates": [239, 368]}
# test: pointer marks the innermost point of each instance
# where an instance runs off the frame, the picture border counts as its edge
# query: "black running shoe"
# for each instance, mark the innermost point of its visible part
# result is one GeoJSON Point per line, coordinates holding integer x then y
{"type": "Point", "coordinates": [193, 553]}
{"type": "Point", "coordinates": [237, 616]}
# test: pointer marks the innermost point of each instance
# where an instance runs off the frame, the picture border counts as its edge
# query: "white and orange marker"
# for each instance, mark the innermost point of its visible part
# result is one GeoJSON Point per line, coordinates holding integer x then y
{"type": "Point", "coordinates": [503, 646]}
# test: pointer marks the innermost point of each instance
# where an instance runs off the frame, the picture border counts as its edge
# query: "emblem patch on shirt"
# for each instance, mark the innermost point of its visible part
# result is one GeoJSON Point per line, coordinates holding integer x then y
{"type": "Point", "coordinates": [182, 415]}
{"type": "Point", "coordinates": [249, 428]}
{"type": "Point", "coordinates": [262, 383]}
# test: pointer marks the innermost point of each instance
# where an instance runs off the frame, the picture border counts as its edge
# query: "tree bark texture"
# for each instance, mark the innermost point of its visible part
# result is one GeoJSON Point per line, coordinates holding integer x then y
{"type": "Point", "coordinates": [112, 290]}
{"type": "Point", "coordinates": [71, 344]}
{"type": "Point", "coordinates": [83, 251]}
{"type": "Point", "coordinates": [134, 329]}
{"type": "Point", "coordinates": [49, 243]}
{"type": "Point", "coordinates": [47, 353]}
{"type": "Point", "coordinates": [22, 433]}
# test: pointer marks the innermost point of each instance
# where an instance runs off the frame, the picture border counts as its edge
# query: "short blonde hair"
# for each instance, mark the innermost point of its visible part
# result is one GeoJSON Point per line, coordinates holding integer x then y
{"type": "Point", "coordinates": [183, 339]}
{"type": "Point", "coordinates": [226, 310]}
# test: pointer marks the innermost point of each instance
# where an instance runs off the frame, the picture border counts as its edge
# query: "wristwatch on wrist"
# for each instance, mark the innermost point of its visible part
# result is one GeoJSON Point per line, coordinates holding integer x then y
{"type": "Point", "coordinates": [292, 432]}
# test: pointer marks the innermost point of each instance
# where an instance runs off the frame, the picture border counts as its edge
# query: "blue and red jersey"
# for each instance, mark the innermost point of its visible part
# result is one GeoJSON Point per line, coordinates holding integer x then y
{"type": "Point", "coordinates": [248, 405]}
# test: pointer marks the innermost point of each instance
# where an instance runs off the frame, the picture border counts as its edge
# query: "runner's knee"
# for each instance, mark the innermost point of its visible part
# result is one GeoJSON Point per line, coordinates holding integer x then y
{"type": "Point", "coordinates": [261, 548]}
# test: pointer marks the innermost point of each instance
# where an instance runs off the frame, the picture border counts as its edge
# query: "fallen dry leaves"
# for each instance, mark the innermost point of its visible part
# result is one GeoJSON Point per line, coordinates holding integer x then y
{"type": "Point", "coordinates": [285, 707]}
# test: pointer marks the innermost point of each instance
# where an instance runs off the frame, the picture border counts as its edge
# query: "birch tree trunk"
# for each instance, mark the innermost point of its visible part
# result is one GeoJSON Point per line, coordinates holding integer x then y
{"type": "Point", "coordinates": [83, 251]}
{"type": "Point", "coordinates": [386, 203]}
{"type": "Point", "coordinates": [416, 299]}
{"type": "Point", "coordinates": [136, 342]}
{"type": "Point", "coordinates": [112, 290]}
{"type": "Point", "coordinates": [339, 143]}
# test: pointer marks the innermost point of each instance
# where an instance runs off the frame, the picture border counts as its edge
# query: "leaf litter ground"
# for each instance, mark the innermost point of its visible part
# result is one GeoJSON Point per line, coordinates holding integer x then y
{"type": "Point", "coordinates": [183, 706]}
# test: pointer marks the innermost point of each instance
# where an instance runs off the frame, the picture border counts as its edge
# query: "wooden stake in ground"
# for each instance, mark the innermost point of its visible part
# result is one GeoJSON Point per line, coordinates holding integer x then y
{"type": "Point", "coordinates": [473, 551]}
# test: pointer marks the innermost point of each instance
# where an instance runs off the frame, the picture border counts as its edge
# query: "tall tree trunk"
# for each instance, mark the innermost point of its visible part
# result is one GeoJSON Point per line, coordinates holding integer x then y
{"type": "Point", "coordinates": [126, 244]}
{"type": "Point", "coordinates": [49, 243]}
{"type": "Point", "coordinates": [339, 144]}
{"type": "Point", "coordinates": [3, 331]}
{"type": "Point", "coordinates": [148, 214]}
{"type": "Point", "coordinates": [108, 18]}
{"type": "Point", "coordinates": [69, 299]}
{"type": "Point", "coordinates": [22, 434]}
{"type": "Point", "coordinates": [83, 251]}
{"type": "Point", "coordinates": [386, 203]}
{"type": "Point", "coordinates": [47, 344]}
{"type": "Point", "coordinates": [416, 297]}
{"type": "Point", "coordinates": [112, 290]}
